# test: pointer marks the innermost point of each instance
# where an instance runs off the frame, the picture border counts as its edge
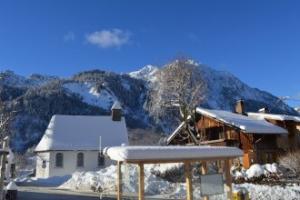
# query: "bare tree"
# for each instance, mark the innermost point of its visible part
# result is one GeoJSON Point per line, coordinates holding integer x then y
{"type": "Point", "coordinates": [183, 88]}
{"type": "Point", "coordinates": [6, 119]}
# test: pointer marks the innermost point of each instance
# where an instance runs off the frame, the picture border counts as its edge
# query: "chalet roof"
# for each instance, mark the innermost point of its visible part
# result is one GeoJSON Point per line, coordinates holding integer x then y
{"type": "Point", "coordinates": [274, 117]}
{"type": "Point", "coordinates": [170, 153]}
{"type": "Point", "coordinates": [178, 130]}
{"type": "Point", "coordinates": [172, 136]}
{"type": "Point", "coordinates": [244, 123]}
{"type": "Point", "coordinates": [73, 132]}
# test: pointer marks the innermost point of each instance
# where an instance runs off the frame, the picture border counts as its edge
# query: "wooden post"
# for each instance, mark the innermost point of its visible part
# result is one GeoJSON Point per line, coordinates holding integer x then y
{"type": "Point", "coordinates": [119, 182]}
{"type": "Point", "coordinates": [188, 178]}
{"type": "Point", "coordinates": [203, 172]}
{"type": "Point", "coordinates": [2, 170]}
{"type": "Point", "coordinates": [228, 177]}
{"type": "Point", "coordinates": [141, 181]}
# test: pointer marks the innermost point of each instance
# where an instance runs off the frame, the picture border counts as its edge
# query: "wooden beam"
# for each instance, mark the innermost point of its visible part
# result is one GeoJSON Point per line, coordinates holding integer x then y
{"type": "Point", "coordinates": [119, 182]}
{"type": "Point", "coordinates": [228, 180]}
{"type": "Point", "coordinates": [203, 172]}
{"type": "Point", "coordinates": [141, 181]}
{"type": "Point", "coordinates": [188, 179]}
{"type": "Point", "coordinates": [161, 161]}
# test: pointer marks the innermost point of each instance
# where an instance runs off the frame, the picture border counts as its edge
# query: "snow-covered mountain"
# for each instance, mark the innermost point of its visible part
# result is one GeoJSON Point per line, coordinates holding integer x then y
{"type": "Point", "coordinates": [143, 95]}
{"type": "Point", "coordinates": [9, 78]}
{"type": "Point", "coordinates": [146, 73]}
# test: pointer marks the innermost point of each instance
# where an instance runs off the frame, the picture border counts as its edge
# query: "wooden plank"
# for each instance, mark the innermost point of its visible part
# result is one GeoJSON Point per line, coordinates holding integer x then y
{"type": "Point", "coordinates": [188, 178]}
{"type": "Point", "coordinates": [119, 182]}
{"type": "Point", "coordinates": [203, 172]}
{"type": "Point", "coordinates": [228, 180]}
{"type": "Point", "coordinates": [141, 181]}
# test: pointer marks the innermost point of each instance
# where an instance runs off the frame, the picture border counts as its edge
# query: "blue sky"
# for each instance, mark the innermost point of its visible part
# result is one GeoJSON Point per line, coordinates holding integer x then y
{"type": "Point", "coordinates": [258, 41]}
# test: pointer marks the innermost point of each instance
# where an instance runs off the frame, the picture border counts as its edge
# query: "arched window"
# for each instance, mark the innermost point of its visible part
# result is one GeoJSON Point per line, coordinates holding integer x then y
{"type": "Point", "coordinates": [80, 159]}
{"type": "Point", "coordinates": [101, 159]}
{"type": "Point", "coordinates": [44, 164]}
{"type": "Point", "coordinates": [59, 160]}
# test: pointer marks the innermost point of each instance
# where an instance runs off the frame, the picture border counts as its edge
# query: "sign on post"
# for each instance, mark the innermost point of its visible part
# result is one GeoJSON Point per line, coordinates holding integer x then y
{"type": "Point", "coordinates": [211, 184]}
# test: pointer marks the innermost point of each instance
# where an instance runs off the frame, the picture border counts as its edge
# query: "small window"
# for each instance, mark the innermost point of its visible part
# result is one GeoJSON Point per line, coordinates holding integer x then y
{"type": "Point", "coordinates": [59, 160]}
{"type": "Point", "coordinates": [80, 159]}
{"type": "Point", "coordinates": [44, 164]}
{"type": "Point", "coordinates": [101, 159]}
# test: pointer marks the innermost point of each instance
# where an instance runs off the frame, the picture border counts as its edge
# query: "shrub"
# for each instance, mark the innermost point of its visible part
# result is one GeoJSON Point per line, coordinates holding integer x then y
{"type": "Point", "coordinates": [291, 161]}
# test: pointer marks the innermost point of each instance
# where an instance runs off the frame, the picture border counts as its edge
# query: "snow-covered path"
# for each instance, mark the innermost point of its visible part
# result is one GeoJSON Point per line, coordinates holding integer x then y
{"type": "Point", "coordinates": [44, 193]}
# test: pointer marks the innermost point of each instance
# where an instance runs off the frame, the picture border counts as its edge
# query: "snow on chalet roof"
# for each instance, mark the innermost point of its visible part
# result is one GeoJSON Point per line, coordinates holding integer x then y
{"type": "Point", "coordinates": [170, 153]}
{"type": "Point", "coordinates": [274, 117]}
{"type": "Point", "coordinates": [244, 123]}
{"type": "Point", "coordinates": [73, 132]}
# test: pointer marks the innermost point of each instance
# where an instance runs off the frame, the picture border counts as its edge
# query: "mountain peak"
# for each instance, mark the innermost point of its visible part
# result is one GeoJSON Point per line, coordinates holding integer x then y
{"type": "Point", "coordinates": [9, 77]}
{"type": "Point", "coordinates": [188, 62]}
{"type": "Point", "coordinates": [146, 73]}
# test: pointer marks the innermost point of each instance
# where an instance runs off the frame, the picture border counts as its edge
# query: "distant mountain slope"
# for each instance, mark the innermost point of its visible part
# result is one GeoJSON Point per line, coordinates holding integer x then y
{"type": "Point", "coordinates": [220, 90]}
{"type": "Point", "coordinates": [146, 73]}
{"type": "Point", "coordinates": [143, 95]}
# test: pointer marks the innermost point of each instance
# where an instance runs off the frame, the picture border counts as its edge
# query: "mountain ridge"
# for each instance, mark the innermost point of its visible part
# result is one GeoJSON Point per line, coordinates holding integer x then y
{"type": "Point", "coordinates": [143, 95]}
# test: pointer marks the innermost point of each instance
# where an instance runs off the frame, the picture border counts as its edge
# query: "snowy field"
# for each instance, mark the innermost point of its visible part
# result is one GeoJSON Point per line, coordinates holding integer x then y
{"type": "Point", "coordinates": [104, 181]}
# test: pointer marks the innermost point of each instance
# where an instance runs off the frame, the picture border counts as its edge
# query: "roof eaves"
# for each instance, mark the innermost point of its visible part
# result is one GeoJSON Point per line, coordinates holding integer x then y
{"type": "Point", "coordinates": [172, 136]}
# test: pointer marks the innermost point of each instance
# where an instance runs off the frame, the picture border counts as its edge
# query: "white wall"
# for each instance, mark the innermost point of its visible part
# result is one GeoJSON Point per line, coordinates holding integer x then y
{"type": "Point", "coordinates": [69, 163]}
{"type": "Point", "coordinates": [40, 171]}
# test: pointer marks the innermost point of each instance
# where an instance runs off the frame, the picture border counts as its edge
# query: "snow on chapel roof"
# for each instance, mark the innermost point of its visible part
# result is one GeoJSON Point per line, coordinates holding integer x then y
{"type": "Point", "coordinates": [116, 105]}
{"type": "Point", "coordinates": [73, 132]}
{"type": "Point", "coordinates": [245, 123]}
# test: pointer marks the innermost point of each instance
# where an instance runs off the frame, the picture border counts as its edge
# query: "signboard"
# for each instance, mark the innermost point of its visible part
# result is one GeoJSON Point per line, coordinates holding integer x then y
{"type": "Point", "coordinates": [211, 184]}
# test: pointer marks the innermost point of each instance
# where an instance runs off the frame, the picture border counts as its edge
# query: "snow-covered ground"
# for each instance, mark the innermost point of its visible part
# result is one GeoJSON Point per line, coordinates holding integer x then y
{"type": "Point", "coordinates": [156, 186]}
{"type": "Point", "coordinates": [289, 192]}
{"type": "Point", "coordinates": [104, 181]}
{"type": "Point", "coordinates": [42, 182]}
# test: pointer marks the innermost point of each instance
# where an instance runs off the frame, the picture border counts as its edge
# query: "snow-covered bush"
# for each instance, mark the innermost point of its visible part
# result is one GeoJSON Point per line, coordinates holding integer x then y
{"type": "Point", "coordinates": [255, 170]}
{"type": "Point", "coordinates": [256, 173]}
{"type": "Point", "coordinates": [104, 180]}
{"type": "Point", "coordinates": [174, 173]}
{"type": "Point", "coordinates": [291, 161]}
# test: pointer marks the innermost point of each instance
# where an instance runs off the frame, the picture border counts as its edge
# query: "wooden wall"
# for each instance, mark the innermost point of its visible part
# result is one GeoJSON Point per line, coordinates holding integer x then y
{"type": "Point", "coordinates": [291, 141]}
{"type": "Point", "coordinates": [210, 129]}
{"type": "Point", "coordinates": [256, 147]}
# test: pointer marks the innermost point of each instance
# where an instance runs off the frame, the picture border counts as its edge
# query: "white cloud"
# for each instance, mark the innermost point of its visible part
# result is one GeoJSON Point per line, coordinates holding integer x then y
{"type": "Point", "coordinates": [70, 36]}
{"type": "Point", "coordinates": [109, 38]}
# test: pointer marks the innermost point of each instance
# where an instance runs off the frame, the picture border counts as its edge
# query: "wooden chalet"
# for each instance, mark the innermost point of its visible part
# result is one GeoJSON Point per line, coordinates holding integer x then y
{"type": "Point", "coordinates": [256, 137]}
{"type": "Point", "coordinates": [291, 123]}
